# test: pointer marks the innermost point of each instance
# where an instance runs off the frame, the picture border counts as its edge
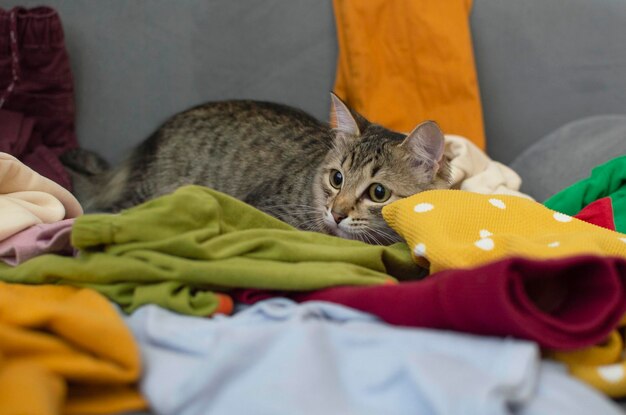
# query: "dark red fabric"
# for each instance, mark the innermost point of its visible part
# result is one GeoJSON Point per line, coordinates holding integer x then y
{"type": "Point", "coordinates": [585, 295]}
{"type": "Point", "coordinates": [599, 212]}
{"type": "Point", "coordinates": [15, 131]}
{"type": "Point", "coordinates": [36, 82]}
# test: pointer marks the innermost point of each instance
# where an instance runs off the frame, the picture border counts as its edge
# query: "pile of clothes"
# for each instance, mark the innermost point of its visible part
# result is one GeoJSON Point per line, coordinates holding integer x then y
{"type": "Point", "coordinates": [195, 301]}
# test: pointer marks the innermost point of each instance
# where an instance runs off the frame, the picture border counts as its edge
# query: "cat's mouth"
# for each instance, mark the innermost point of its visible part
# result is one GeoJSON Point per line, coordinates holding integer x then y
{"type": "Point", "coordinates": [368, 235]}
{"type": "Point", "coordinates": [337, 229]}
{"type": "Point", "coordinates": [342, 234]}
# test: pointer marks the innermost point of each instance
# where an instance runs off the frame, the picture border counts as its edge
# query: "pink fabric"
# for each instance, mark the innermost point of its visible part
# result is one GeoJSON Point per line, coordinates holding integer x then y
{"type": "Point", "coordinates": [38, 240]}
{"type": "Point", "coordinates": [499, 298]}
{"type": "Point", "coordinates": [36, 91]}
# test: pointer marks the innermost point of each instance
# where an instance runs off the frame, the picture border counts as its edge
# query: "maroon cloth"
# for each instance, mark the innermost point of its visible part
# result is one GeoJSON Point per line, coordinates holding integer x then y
{"type": "Point", "coordinates": [36, 84]}
{"type": "Point", "coordinates": [584, 298]}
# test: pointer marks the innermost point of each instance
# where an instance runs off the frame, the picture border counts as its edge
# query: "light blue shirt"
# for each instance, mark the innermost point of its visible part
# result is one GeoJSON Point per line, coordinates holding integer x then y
{"type": "Point", "coordinates": [278, 357]}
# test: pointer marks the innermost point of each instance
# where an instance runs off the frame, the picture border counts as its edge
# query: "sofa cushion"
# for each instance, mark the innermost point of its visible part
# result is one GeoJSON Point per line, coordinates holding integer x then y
{"type": "Point", "coordinates": [568, 154]}
{"type": "Point", "coordinates": [544, 63]}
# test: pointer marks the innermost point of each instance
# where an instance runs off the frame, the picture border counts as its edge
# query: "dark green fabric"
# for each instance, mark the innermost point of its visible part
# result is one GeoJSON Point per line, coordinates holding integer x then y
{"type": "Point", "coordinates": [174, 250]}
{"type": "Point", "coordinates": [606, 180]}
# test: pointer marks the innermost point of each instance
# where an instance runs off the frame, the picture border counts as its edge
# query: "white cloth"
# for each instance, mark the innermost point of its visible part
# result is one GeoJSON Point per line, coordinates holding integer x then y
{"type": "Point", "coordinates": [474, 171]}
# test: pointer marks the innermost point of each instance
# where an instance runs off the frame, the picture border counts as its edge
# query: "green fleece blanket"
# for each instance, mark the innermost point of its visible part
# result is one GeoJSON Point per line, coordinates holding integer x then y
{"type": "Point", "coordinates": [177, 251]}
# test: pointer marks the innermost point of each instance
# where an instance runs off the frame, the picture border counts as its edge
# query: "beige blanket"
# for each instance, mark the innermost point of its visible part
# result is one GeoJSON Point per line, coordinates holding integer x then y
{"type": "Point", "coordinates": [27, 198]}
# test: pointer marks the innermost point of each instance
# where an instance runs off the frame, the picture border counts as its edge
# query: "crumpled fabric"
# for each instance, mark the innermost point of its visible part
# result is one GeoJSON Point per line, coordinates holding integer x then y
{"type": "Point", "coordinates": [278, 358]}
{"type": "Point", "coordinates": [474, 171]}
{"type": "Point", "coordinates": [45, 238]}
{"type": "Point", "coordinates": [562, 304]}
{"type": "Point", "coordinates": [28, 198]}
{"type": "Point", "coordinates": [37, 108]}
{"type": "Point", "coordinates": [185, 250]}
{"type": "Point", "coordinates": [64, 350]}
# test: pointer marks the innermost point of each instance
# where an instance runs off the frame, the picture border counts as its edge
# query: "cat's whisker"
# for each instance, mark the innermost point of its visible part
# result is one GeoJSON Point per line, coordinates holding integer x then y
{"type": "Point", "coordinates": [292, 209]}
{"type": "Point", "coordinates": [369, 239]}
{"type": "Point", "coordinates": [314, 224]}
{"type": "Point", "coordinates": [287, 205]}
{"type": "Point", "coordinates": [384, 234]}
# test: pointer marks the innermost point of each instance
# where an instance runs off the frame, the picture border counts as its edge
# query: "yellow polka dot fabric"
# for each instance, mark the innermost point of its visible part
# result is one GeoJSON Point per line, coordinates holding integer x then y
{"type": "Point", "coordinates": [602, 366]}
{"type": "Point", "coordinates": [460, 229]}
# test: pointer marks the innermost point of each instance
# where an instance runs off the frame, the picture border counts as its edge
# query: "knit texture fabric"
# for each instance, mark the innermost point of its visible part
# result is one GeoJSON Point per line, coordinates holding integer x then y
{"type": "Point", "coordinates": [457, 229]}
{"type": "Point", "coordinates": [551, 302]}
{"type": "Point", "coordinates": [599, 199]}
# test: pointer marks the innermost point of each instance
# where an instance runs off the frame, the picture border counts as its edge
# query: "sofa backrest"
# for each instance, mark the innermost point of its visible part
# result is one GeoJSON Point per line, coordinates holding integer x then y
{"type": "Point", "coordinates": [541, 63]}
{"type": "Point", "coordinates": [544, 63]}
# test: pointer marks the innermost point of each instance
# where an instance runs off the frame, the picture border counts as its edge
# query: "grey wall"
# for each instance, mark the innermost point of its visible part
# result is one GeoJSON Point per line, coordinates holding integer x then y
{"type": "Point", "coordinates": [137, 62]}
{"type": "Point", "coordinates": [541, 63]}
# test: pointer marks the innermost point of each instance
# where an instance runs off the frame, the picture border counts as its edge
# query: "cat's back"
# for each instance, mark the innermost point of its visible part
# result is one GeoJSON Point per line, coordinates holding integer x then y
{"type": "Point", "coordinates": [229, 127]}
{"type": "Point", "coordinates": [232, 146]}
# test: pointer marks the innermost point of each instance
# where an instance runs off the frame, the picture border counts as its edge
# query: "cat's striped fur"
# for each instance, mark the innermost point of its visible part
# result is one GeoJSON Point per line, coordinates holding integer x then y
{"type": "Point", "coordinates": [280, 160]}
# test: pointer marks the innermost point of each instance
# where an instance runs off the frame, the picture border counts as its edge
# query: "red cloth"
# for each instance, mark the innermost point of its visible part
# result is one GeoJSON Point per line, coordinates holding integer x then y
{"type": "Point", "coordinates": [599, 212]}
{"type": "Point", "coordinates": [586, 296]}
{"type": "Point", "coordinates": [36, 91]}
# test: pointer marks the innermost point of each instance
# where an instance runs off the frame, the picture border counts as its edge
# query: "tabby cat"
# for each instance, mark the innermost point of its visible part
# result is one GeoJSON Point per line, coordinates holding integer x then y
{"type": "Point", "coordinates": [332, 178]}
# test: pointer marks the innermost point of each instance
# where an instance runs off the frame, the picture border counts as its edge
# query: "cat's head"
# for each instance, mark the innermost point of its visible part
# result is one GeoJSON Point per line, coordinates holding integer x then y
{"type": "Point", "coordinates": [369, 167]}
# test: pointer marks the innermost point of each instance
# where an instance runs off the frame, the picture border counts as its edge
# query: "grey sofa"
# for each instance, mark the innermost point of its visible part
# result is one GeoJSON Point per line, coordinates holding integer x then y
{"type": "Point", "coordinates": [541, 64]}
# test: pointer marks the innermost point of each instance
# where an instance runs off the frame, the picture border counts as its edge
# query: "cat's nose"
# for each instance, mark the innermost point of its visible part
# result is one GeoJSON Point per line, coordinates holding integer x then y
{"type": "Point", "coordinates": [338, 216]}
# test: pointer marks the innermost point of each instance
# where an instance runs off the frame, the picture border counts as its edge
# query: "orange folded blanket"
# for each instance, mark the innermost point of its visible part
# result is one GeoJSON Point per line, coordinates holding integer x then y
{"type": "Point", "coordinates": [402, 61]}
{"type": "Point", "coordinates": [64, 350]}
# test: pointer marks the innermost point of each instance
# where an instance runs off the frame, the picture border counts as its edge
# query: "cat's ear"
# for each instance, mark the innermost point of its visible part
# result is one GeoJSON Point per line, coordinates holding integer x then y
{"type": "Point", "coordinates": [341, 119]}
{"type": "Point", "coordinates": [426, 141]}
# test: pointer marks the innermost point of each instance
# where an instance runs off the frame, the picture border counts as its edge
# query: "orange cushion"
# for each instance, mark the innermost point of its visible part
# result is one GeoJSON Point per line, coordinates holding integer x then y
{"type": "Point", "coordinates": [404, 61]}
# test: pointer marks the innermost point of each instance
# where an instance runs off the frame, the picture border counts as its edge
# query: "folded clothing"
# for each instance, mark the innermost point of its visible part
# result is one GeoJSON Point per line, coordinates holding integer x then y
{"type": "Point", "coordinates": [561, 304]}
{"type": "Point", "coordinates": [458, 229]}
{"type": "Point", "coordinates": [36, 90]}
{"type": "Point", "coordinates": [53, 358]}
{"type": "Point", "coordinates": [184, 250]}
{"type": "Point", "coordinates": [27, 198]}
{"type": "Point", "coordinates": [37, 240]}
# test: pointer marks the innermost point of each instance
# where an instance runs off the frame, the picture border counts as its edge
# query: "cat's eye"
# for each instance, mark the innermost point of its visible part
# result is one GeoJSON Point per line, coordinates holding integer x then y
{"type": "Point", "coordinates": [336, 179]}
{"type": "Point", "coordinates": [379, 193]}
